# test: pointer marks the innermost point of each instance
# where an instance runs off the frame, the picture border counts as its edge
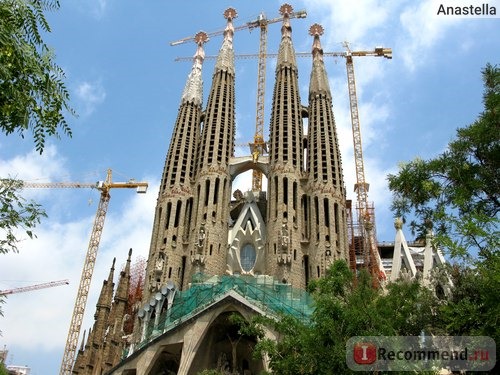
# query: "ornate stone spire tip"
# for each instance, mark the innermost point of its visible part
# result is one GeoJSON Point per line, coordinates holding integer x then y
{"type": "Point", "coordinates": [286, 10]}
{"type": "Point", "coordinates": [316, 30]}
{"type": "Point", "coordinates": [201, 38]}
{"type": "Point", "coordinates": [230, 13]}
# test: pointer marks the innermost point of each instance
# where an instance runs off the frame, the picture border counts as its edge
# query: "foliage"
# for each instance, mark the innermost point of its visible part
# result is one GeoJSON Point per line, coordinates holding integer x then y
{"type": "Point", "coordinates": [3, 370]}
{"type": "Point", "coordinates": [344, 309]}
{"type": "Point", "coordinates": [459, 190]}
{"type": "Point", "coordinates": [33, 96]}
{"type": "Point", "coordinates": [473, 308]}
{"type": "Point", "coordinates": [16, 214]}
{"type": "Point", "coordinates": [210, 372]}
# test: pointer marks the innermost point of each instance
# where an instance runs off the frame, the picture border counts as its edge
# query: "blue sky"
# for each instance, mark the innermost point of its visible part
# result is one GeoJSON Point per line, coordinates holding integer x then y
{"type": "Point", "coordinates": [126, 88]}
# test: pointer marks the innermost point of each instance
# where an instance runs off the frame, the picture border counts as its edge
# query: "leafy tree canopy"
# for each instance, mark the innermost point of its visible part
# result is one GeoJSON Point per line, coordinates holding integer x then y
{"type": "Point", "coordinates": [344, 309]}
{"type": "Point", "coordinates": [16, 215]}
{"type": "Point", "coordinates": [33, 96]}
{"type": "Point", "coordinates": [458, 192]}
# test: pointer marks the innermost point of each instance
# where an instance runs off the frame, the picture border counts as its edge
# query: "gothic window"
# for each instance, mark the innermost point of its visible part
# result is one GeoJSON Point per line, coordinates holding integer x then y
{"type": "Point", "coordinates": [285, 191]}
{"type": "Point", "coordinates": [337, 219]}
{"type": "Point", "coordinates": [295, 195]}
{"type": "Point", "coordinates": [216, 190]}
{"type": "Point", "coordinates": [247, 257]}
{"type": "Point", "coordinates": [169, 208]}
{"type": "Point", "coordinates": [207, 191]}
{"type": "Point", "coordinates": [327, 212]}
{"type": "Point", "coordinates": [177, 213]}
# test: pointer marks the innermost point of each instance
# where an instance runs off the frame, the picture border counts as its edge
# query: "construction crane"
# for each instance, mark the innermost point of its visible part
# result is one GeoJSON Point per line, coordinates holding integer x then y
{"type": "Point", "coordinates": [29, 288]}
{"type": "Point", "coordinates": [258, 146]}
{"type": "Point", "coordinates": [88, 268]}
{"type": "Point", "coordinates": [365, 215]}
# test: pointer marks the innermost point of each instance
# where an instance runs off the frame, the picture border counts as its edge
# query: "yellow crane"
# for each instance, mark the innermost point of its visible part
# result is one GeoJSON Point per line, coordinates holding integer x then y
{"type": "Point", "coordinates": [258, 146]}
{"type": "Point", "coordinates": [365, 215]}
{"type": "Point", "coordinates": [88, 268]}
{"type": "Point", "coordinates": [29, 288]}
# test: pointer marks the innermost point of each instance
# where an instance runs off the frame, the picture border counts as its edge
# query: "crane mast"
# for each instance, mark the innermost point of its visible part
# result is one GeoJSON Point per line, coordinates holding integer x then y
{"type": "Point", "coordinates": [29, 288]}
{"type": "Point", "coordinates": [90, 258]}
{"type": "Point", "coordinates": [258, 147]}
{"type": "Point", "coordinates": [365, 216]}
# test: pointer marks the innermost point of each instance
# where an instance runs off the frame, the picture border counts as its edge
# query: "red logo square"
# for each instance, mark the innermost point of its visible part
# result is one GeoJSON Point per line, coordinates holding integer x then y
{"type": "Point", "coordinates": [365, 353]}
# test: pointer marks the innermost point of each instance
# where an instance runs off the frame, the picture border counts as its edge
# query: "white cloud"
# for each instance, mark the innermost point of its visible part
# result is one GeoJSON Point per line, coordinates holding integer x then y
{"type": "Point", "coordinates": [89, 96]}
{"type": "Point", "coordinates": [59, 251]}
{"type": "Point", "coordinates": [33, 166]}
{"type": "Point", "coordinates": [422, 29]}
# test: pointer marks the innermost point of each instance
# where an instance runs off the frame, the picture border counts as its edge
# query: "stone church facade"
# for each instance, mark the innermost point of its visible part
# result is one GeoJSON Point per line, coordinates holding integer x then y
{"type": "Point", "coordinates": [214, 253]}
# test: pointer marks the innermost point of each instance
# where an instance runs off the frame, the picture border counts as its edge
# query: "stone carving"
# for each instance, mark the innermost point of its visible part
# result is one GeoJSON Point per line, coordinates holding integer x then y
{"type": "Point", "coordinates": [285, 239]}
{"type": "Point", "coordinates": [201, 239]}
{"type": "Point", "coordinates": [160, 262]}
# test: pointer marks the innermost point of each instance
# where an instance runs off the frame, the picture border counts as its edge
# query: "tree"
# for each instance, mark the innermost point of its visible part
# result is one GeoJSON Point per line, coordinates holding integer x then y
{"type": "Point", "coordinates": [344, 309]}
{"type": "Point", "coordinates": [458, 192]}
{"type": "Point", "coordinates": [33, 96]}
{"type": "Point", "coordinates": [16, 214]}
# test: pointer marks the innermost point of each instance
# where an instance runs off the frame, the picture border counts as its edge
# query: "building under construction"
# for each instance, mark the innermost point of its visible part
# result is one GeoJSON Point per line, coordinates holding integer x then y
{"type": "Point", "coordinates": [214, 253]}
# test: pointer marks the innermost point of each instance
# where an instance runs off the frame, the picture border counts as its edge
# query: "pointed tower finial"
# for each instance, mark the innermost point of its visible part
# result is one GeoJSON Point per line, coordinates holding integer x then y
{"type": "Point", "coordinates": [285, 11]}
{"type": "Point", "coordinates": [193, 91]}
{"type": "Point", "coordinates": [316, 30]}
{"type": "Point", "coordinates": [229, 14]}
{"type": "Point", "coordinates": [200, 39]}
{"type": "Point", "coordinates": [225, 60]}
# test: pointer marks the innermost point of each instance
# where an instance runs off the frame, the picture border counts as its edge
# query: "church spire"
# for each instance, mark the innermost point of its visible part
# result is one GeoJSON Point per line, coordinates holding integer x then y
{"type": "Point", "coordinates": [286, 165]}
{"type": "Point", "coordinates": [193, 91]}
{"type": "Point", "coordinates": [326, 189]}
{"type": "Point", "coordinates": [225, 59]}
{"type": "Point", "coordinates": [117, 317]}
{"type": "Point", "coordinates": [216, 147]}
{"type": "Point", "coordinates": [319, 79]}
{"type": "Point", "coordinates": [286, 53]}
{"type": "Point", "coordinates": [104, 306]}
{"type": "Point", "coordinates": [172, 222]}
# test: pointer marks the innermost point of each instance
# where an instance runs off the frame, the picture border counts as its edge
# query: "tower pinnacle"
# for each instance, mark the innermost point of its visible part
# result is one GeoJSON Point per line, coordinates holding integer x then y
{"type": "Point", "coordinates": [193, 91]}
{"type": "Point", "coordinates": [225, 60]}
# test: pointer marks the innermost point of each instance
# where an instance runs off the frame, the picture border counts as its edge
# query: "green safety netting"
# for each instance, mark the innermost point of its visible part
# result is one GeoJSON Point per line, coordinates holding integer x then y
{"type": "Point", "coordinates": [266, 293]}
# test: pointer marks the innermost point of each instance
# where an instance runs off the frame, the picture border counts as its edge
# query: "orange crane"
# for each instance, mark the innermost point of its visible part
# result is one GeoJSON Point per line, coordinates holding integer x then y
{"type": "Point", "coordinates": [88, 268]}
{"type": "Point", "coordinates": [258, 146]}
{"type": "Point", "coordinates": [29, 288]}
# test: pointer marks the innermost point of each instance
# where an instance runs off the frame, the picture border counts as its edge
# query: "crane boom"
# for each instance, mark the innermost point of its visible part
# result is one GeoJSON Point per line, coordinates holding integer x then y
{"type": "Point", "coordinates": [249, 25]}
{"type": "Point", "coordinates": [90, 258]}
{"type": "Point", "coordinates": [29, 288]}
